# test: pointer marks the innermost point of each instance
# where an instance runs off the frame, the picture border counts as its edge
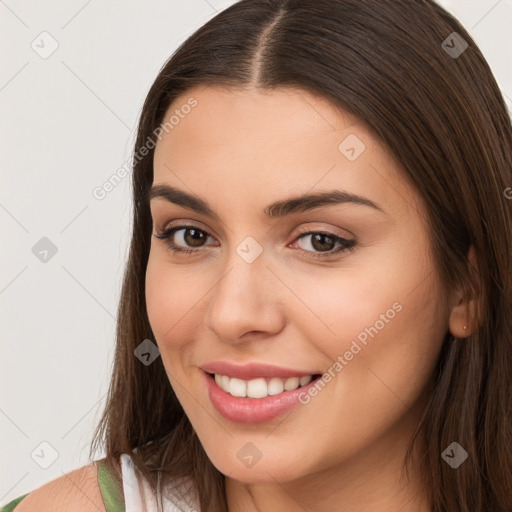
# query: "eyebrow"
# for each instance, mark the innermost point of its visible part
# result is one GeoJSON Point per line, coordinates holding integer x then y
{"type": "Point", "coordinates": [275, 210]}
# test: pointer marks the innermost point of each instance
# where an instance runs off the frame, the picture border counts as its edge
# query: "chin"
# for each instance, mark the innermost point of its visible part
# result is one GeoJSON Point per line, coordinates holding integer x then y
{"type": "Point", "coordinates": [265, 470]}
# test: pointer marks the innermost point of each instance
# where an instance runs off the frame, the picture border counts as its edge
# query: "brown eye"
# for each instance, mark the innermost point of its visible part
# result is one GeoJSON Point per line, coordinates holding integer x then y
{"type": "Point", "coordinates": [190, 239]}
{"type": "Point", "coordinates": [194, 237]}
{"type": "Point", "coordinates": [323, 244]}
{"type": "Point", "coordinates": [187, 238]}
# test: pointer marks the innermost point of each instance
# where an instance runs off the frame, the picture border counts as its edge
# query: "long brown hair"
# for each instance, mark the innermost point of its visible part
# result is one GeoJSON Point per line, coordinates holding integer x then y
{"type": "Point", "coordinates": [437, 107]}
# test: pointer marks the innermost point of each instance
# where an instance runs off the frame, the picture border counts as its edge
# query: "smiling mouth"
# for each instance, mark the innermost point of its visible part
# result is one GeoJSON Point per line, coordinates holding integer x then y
{"type": "Point", "coordinates": [260, 387]}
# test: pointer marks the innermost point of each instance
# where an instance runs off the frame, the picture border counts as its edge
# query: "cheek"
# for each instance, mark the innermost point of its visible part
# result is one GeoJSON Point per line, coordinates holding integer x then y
{"type": "Point", "coordinates": [344, 304]}
{"type": "Point", "coordinates": [172, 301]}
{"type": "Point", "coordinates": [389, 314]}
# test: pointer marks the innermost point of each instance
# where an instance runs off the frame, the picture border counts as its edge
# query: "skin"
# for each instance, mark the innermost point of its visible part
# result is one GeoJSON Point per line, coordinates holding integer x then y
{"type": "Point", "coordinates": [240, 150]}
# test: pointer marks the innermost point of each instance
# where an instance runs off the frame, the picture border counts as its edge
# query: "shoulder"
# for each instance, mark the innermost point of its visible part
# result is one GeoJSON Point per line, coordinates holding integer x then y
{"type": "Point", "coordinates": [77, 490]}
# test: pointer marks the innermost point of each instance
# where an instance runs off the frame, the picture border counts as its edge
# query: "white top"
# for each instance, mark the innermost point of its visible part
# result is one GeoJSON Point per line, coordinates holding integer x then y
{"type": "Point", "coordinates": [139, 497]}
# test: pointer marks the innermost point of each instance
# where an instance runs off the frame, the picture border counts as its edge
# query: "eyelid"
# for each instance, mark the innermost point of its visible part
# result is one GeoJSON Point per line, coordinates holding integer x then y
{"type": "Point", "coordinates": [186, 223]}
{"type": "Point", "coordinates": [329, 231]}
{"type": "Point", "coordinates": [347, 245]}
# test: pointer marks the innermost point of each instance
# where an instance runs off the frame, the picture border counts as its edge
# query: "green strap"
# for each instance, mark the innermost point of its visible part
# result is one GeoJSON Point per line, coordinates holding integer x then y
{"type": "Point", "coordinates": [112, 496]}
{"type": "Point", "coordinates": [10, 506]}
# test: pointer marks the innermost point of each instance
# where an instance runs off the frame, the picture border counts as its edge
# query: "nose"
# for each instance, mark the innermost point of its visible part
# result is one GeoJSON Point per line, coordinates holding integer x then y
{"type": "Point", "coordinates": [245, 303]}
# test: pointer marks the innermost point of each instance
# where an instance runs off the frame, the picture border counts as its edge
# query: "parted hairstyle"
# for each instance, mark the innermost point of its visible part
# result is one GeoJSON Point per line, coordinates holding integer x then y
{"type": "Point", "coordinates": [442, 115]}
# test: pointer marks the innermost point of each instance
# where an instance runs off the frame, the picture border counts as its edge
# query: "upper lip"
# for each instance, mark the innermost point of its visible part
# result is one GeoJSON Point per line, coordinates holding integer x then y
{"type": "Point", "coordinates": [252, 370]}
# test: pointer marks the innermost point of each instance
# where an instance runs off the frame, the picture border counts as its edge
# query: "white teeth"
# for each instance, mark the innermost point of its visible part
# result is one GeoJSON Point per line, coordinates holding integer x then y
{"type": "Point", "coordinates": [305, 380]}
{"type": "Point", "coordinates": [275, 386]}
{"type": "Point", "coordinates": [238, 387]}
{"type": "Point", "coordinates": [291, 383]}
{"type": "Point", "coordinates": [224, 382]}
{"type": "Point", "coordinates": [259, 388]}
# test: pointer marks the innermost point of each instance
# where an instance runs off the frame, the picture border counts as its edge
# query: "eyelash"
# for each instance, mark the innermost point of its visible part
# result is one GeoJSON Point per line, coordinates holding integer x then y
{"type": "Point", "coordinates": [346, 245]}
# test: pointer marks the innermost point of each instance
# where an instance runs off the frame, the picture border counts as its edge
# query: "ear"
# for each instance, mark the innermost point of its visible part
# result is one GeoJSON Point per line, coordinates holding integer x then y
{"type": "Point", "coordinates": [464, 308]}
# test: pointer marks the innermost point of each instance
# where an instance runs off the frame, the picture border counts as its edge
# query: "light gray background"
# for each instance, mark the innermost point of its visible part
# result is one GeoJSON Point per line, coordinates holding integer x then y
{"type": "Point", "coordinates": [68, 123]}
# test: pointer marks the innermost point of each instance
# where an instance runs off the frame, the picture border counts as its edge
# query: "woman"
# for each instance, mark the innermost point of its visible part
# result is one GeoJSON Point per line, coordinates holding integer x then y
{"type": "Point", "coordinates": [316, 311]}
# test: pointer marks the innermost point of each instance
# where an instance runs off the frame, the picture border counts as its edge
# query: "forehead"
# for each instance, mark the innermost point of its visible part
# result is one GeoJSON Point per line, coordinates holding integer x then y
{"type": "Point", "coordinates": [265, 143]}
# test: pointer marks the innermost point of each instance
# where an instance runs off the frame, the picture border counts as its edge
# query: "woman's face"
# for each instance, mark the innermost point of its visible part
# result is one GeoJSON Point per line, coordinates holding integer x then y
{"type": "Point", "coordinates": [339, 295]}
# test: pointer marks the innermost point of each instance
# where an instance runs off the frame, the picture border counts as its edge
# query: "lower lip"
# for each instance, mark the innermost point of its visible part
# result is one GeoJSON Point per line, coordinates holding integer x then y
{"type": "Point", "coordinates": [253, 410]}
